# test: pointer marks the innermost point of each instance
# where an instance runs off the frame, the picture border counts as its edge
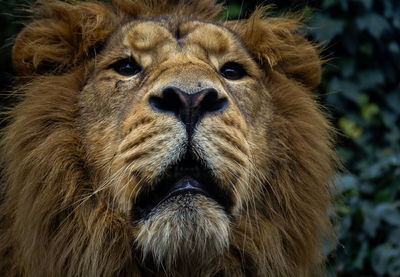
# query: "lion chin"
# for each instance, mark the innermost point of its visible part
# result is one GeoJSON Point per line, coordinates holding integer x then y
{"type": "Point", "coordinates": [185, 230]}
{"type": "Point", "coordinates": [153, 138]}
{"type": "Point", "coordinates": [183, 220]}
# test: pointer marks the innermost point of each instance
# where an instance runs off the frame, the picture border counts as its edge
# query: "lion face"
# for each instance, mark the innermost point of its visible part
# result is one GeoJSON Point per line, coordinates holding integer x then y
{"type": "Point", "coordinates": [153, 140]}
{"type": "Point", "coordinates": [172, 118]}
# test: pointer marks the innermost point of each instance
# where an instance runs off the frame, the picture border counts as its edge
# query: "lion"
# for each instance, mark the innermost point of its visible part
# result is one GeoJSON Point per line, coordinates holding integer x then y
{"type": "Point", "coordinates": [155, 138]}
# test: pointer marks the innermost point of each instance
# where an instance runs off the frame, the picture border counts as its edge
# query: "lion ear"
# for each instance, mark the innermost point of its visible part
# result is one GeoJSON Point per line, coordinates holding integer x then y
{"type": "Point", "coordinates": [277, 45]}
{"type": "Point", "coordinates": [61, 36]}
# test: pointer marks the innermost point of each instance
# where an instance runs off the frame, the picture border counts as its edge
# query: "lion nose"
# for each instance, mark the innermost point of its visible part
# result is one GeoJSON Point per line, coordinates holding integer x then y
{"type": "Point", "coordinates": [189, 108]}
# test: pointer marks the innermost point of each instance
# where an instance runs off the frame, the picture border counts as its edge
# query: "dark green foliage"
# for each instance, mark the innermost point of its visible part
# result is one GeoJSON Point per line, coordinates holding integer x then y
{"type": "Point", "coordinates": [361, 89]}
{"type": "Point", "coordinates": [361, 86]}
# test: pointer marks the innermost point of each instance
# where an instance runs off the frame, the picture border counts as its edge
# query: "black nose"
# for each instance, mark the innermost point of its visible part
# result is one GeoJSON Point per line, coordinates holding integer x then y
{"type": "Point", "coordinates": [189, 108]}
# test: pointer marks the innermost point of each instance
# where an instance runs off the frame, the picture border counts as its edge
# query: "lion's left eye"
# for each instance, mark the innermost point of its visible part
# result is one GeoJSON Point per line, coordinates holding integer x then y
{"type": "Point", "coordinates": [126, 67]}
{"type": "Point", "coordinates": [233, 71]}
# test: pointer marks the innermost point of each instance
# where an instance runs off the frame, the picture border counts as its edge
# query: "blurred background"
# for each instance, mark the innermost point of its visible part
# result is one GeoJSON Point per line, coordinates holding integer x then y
{"type": "Point", "coordinates": [361, 90]}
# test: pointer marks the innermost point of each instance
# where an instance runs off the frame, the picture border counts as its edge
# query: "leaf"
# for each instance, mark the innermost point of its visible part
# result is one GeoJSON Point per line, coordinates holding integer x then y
{"type": "Point", "coordinates": [347, 182]}
{"type": "Point", "coordinates": [344, 227]}
{"type": "Point", "coordinates": [393, 136]}
{"type": "Point", "coordinates": [370, 79]}
{"type": "Point", "coordinates": [389, 212]}
{"type": "Point", "coordinates": [394, 47]}
{"type": "Point", "coordinates": [362, 99]}
{"type": "Point", "coordinates": [366, 3]}
{"type": "Point", "coordinates": [361, 256]}
{"type": "Point", "coordinates": [394, 236]}
{"type": "Point", "coordinates": [233, 11]}
{"type": "Point", "coordinates": [348, 89]}
{"type": "Point", "coordinates": [372, 171]}
{"type": "Point", "coordinates": [383, 258]}
{"type": "Point", "coordinates": [369, 111]}
{"type": "Point", "coordinates": [344, 4]}
{"type": "Point", "coordinates": [374, 23]}
{"type": "Point", "coordinates": [345, 154]}
{"type": "Point", "coordinates": [396, 19]}
{"type": "Point", "coordinates": [388, 12]}
{"type": "Point", "coordinates": [347, 67]}
{"type": "Point", "coordinates": [367, 49]}
{"type": "Point", "coordinates": [393, 100]}
{"type": "Point", "coordinates": [326, 4]}
{"type": "Point", "coordinates": [326, 28]}
{"type": "Point", "coordinates": [371, 219]}
{"type": "Point", "coordinates": [350, 128]}
{"type": "Point", "coordinates": [389, 118]}
{"type": "Point", "coordinates": [394, 267]}
{"type": "Point", "coordinates": [383, 196]}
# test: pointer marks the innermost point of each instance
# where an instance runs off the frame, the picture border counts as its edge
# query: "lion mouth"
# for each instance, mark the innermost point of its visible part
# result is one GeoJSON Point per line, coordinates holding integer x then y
{"type": "Point", "coordinates": [188, 176]}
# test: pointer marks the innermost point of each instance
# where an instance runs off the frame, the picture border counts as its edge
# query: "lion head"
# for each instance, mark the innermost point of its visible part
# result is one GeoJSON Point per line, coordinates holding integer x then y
{"type": "Point", "coordinates": [153, 139]}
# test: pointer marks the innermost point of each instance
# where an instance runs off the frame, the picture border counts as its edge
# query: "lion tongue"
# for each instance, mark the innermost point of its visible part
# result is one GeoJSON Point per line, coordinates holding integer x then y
{"type": "Point", "coordinates": [185, 184]}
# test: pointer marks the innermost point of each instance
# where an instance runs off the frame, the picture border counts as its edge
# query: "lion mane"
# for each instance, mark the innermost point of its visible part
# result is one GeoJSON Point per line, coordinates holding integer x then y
{"type": "Point", "coordinates": [118, 99]}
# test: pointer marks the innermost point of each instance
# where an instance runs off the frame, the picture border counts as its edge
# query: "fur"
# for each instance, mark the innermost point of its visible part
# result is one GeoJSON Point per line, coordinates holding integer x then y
{"type": "Point", "coordinates": [83, 143]}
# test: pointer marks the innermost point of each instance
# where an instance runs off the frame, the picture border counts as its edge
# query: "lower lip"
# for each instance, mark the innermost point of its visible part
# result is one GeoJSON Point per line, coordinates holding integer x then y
{"type": "Point", "coordinates": [184, 185]}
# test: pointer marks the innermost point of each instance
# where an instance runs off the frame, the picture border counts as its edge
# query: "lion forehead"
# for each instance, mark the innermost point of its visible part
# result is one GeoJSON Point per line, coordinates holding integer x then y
{"type": "Point", "coordinates": [143, 36]}
{"type": "Point", "coordinates": [184, 36]}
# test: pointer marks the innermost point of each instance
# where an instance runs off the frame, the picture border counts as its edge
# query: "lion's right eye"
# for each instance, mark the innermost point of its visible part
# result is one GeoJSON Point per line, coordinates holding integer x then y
{"type": "Point", "coordinates": [126, 67]}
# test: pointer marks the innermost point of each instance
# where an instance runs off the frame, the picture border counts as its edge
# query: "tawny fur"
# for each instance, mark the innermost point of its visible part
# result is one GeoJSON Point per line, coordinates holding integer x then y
{"type": "Point", "coordinates": [75, 158]}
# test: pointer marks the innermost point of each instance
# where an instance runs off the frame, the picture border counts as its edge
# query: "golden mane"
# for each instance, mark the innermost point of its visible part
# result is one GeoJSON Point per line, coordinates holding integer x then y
{"type": "Point", "coordinates": [51, 220]}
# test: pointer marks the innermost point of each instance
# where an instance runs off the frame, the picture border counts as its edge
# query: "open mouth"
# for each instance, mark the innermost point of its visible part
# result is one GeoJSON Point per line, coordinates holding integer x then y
{"type": "Point", "coordinates": [187, 176]}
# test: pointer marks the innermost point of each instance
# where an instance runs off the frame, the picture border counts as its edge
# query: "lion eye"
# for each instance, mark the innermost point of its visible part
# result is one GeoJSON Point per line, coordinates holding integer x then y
{"type": "Point", "coordinates": [127, 67]}
{"type": "Point", "coordinates": [233, 71]}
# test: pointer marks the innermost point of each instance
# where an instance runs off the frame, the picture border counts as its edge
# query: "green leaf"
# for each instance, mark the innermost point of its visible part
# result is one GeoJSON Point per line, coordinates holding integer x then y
{"type": "Point", "coordinates": [350, 128]}
{"type": "Point", "coordinates": [362, 99]}
{"type": "Point", "coordinates": [369, 111]}
{"type": "Point", "coordinates": [233, 11]}
{"type": "Point", "coordinates": [383, 195]}
{"type": "Point", "coordinates": [326, 4]}
{"type": "Point", "coordinates": [394, 267]}
{"type": "Point", "coordinates": [367, 48]}
{"type": "Point", "coordinates": [343, 209]}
